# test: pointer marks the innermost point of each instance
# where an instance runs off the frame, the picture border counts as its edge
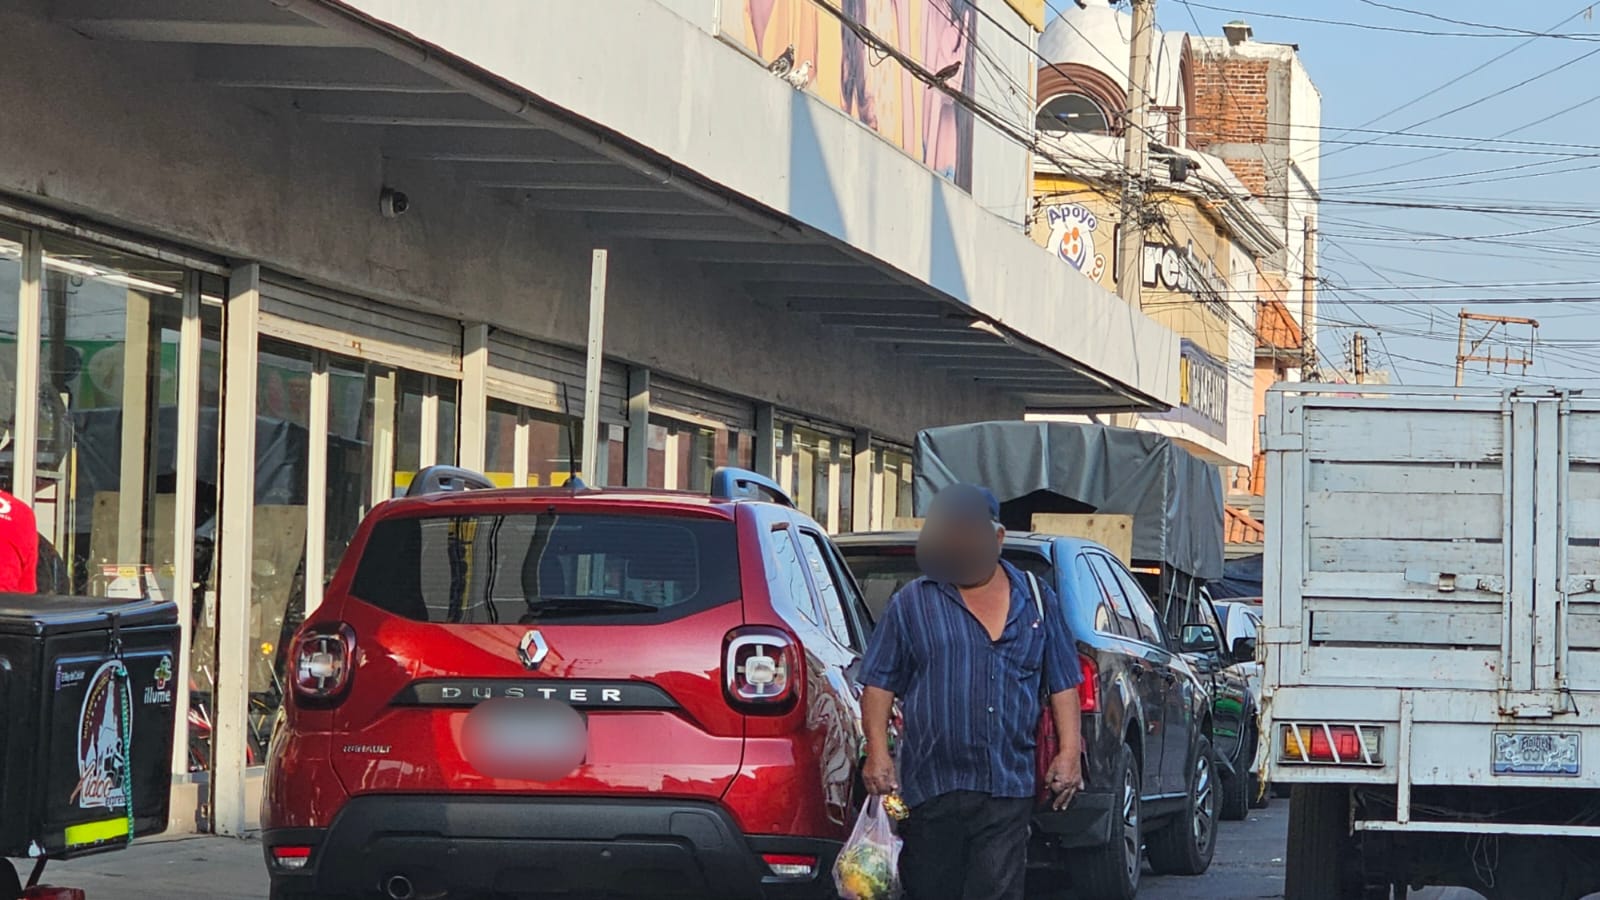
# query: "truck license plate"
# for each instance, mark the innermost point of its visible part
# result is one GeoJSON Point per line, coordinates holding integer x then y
{"type": "Point", "coordinates": [1536, 753]}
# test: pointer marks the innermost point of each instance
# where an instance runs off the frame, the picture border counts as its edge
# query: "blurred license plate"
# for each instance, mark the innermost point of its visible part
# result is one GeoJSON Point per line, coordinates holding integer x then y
{"type": "Point", "coordinates": [1537, 753]}
{"type": "Point", "coordinates": [532, 740]}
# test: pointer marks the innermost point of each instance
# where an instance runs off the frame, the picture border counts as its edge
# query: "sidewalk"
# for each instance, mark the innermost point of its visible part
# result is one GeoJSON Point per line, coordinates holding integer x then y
{"type": "Point", "coordinates": [190, 868]}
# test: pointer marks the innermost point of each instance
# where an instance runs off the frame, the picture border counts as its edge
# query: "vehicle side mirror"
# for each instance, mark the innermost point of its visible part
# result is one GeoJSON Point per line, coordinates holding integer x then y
{"type": "Point", "coordinates": [1198, 639]}
{"type": "Point", "coordinates": [1244, 650]}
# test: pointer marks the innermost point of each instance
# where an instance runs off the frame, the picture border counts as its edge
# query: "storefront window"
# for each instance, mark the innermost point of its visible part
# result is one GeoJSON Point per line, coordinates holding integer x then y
{"type": "Point", "coordinates": [203, 624]}
{"type": "Point", "coordinates": [10, 301]}
{"type": "Point", "coordinates": [892, 477]}
{"type": "Point", "coordinates": [104, 495]}
{"type": "Point", "coordinates": [411, 450]}
{"type": "Point", "coordinates": [277, 607]}
{"type": "Point", "coordinates": [814, 468]}
{"type": "Point", "coordinates": [529, 448]}
{"type": "Point", "coordinates": [355, 390]}
{"type": "Point", "coordinates": [683, 455]}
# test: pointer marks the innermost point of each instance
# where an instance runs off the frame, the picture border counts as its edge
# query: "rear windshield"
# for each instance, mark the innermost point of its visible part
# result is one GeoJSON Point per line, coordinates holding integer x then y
{"type": "Point", "coordinates": [883, 571]}
{"type": "Point", "coordinates": [525, 567]}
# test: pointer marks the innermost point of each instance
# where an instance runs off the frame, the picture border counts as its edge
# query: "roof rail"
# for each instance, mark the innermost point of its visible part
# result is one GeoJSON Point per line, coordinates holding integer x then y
{"type": "Point", "coordinates": [447, 480]}
{"type": "Point", "coordinates": [729, 483]}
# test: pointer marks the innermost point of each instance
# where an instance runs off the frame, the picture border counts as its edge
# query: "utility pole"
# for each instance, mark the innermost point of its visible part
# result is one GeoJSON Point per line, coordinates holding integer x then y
{"type": "Point", "coordinates": [1136, 144]}
{"type": "Point", "coordinates": [1358, 357]}
{"type": "Point", "coordinates": [1466, 353]}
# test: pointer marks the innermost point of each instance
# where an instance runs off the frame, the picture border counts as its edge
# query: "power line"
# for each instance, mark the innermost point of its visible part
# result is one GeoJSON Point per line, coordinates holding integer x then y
{"type": "Point", "coordinates": [1396, 29]}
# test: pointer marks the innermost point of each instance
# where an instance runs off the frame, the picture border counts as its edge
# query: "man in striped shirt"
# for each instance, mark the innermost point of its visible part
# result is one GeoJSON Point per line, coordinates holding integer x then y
{"type": "Point", "coordinates": [966, 650]}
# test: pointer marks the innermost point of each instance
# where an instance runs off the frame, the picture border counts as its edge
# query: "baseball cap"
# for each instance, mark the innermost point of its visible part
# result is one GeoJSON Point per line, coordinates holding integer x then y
{"type": "Point", "coordinates": [964, 503]}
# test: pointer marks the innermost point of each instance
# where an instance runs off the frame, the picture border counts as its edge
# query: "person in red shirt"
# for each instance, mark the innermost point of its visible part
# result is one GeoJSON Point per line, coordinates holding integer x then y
{"type": "Point", "coordinates": [19, 547]}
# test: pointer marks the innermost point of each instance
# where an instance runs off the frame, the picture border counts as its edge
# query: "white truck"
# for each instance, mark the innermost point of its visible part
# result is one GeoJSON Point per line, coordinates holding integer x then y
{"type": "Point", "coordinates": [1431, 642]}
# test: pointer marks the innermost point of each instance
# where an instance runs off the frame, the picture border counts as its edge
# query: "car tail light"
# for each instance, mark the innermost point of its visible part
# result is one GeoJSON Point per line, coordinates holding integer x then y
{"type": "Point", "coordinates": [1324, 743]}
{"type": "Point", "coordinates": [1089, 687]}
{"type": "Point", "coordinates": [50, 892]}
{"type": "Point", "coordinates": [322, 661]}
{"type": "Point", "coordinates": [789, 866]}
{"type": "Point", "coordinates": [761, 670]}
{"type": "Point", "coordinates": [291, 857]}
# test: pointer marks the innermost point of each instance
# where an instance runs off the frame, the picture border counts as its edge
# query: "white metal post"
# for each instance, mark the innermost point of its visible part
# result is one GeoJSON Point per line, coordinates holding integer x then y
{"type": "Point", "coordinates": [591, 378]}
{"type": "Point", "coordinates": [317, 481]}
{"type": "Point", "coordinates": [30, 334]}
{"type": "Point", "coordinates": [229, 808]}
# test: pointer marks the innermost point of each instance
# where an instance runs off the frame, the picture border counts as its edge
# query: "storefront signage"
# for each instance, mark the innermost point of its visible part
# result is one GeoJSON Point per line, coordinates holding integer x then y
{"type": "Point", "coordinates": [1182, 270]}
{"type": "Point", "coordinates": [1072, 231]}
{"type": "Point", "coordinates": [1202, 392]}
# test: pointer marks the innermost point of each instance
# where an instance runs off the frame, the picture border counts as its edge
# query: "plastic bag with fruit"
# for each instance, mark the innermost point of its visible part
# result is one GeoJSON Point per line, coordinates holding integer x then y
{"type": "Point", "coordinates": [868, 867]}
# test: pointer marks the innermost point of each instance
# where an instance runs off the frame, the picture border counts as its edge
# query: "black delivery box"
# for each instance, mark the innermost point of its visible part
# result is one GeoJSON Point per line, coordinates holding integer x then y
{"type": "Point", "coordinates": [87, 692]}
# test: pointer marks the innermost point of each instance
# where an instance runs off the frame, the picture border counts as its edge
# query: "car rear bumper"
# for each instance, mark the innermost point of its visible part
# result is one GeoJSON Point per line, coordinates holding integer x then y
{"type": "Point", "coordinates": [528, 847]}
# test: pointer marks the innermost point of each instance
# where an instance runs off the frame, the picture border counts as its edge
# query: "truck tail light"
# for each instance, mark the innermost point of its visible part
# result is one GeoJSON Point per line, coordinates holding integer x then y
{"type": "Point", "coordinates": [322, 661]}
{"type": "Point", "coordinates": [1324, 743]}
{"type": "Point", "coordinates": [761, 670]}
{"type": "Point", "coordinates": [1089, 688]}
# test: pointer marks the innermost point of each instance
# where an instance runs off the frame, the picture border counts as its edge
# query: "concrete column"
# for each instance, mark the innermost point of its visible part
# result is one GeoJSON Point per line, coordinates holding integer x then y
{"type": "Point", "coordinates": [767, 438]}
{"type": "Point", "coordinates": [474, 396]}
{"type": "Point", "coordinates": [638, 443]}
{"type": "Point", "coordinates": [230, 812]}
{"type": "Point", "coordinates": [861, 499]}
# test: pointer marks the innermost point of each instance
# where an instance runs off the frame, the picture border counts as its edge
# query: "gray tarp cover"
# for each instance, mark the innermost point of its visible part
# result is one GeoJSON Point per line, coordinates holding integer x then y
{"type": "Point", "coordinates": [1175, 498]}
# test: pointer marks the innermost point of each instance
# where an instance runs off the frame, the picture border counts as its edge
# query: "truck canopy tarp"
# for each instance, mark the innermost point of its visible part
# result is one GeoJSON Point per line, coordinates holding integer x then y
{"type": "Point", "coordinates": [1240, 578]}
{"type": "Point", "coordinates": [1175, 499]}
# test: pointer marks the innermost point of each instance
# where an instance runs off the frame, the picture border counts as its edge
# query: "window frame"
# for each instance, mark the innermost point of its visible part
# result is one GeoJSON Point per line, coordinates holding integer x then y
{"type": "Point", "coordinates": [837, 613]}
{"type": "Point", "coordinates": [1105, 117]}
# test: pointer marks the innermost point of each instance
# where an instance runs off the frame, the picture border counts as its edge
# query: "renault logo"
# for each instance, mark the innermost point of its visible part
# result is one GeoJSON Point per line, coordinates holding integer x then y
{"type": "Point", "coordinates": [533, 649]}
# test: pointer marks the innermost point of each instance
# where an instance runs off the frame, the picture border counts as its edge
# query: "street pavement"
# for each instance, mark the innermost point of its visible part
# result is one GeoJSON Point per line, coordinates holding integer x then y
{"type": "Point", "coordinates": [1248, 866]}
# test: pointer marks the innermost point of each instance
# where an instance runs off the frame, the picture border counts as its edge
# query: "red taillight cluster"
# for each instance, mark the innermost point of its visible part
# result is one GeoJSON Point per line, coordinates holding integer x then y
{"type": "Point", "coordinates": [1348, 745]}
{"type": "Point", "coordinates": [761, 669]}
{"type": "Point", "coordinates": [790, 866]}
{"type": "Point", "coordinates": [291, 857]}
{"type": "Point", "coordinates": [1089, 687]}
{"type": "Point", "coordinates": [322, 662]}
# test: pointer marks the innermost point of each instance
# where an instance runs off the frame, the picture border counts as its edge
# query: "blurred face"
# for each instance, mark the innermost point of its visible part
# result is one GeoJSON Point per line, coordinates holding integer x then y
{"type": "Point", "coordinates": [962, 551]}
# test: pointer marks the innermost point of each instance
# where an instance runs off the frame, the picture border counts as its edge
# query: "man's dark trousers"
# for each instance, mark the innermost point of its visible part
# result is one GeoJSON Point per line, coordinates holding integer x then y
{"type": "Point", "coordinates": [966, 846]}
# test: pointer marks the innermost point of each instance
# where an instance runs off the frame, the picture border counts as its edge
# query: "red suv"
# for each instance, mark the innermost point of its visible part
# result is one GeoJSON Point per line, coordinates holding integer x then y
{"type": "Point", "coordinates": [572, 692]}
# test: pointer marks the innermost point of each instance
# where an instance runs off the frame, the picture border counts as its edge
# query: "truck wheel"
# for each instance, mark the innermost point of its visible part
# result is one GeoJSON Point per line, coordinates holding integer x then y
{"type": "Point", "coordinates": [1112, 872]}
{"type": "Point", "coordinates": [1185, 845]}
{"type": "Point", "coordinates": [1319, 843]}
{"type": "Point", "coordinates": [1236, 797]}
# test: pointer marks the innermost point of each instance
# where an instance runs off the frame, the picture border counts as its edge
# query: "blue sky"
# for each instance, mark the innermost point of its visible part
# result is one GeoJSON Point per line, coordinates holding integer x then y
{"type": "Point", "coordinates": [1510, 208]}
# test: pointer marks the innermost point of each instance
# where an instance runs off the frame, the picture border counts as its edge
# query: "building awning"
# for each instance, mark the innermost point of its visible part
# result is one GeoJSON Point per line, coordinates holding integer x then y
{"type": "Point", "coordinates": [429, 108]}
{"type": "Point", "coordinates": [1276, 329]}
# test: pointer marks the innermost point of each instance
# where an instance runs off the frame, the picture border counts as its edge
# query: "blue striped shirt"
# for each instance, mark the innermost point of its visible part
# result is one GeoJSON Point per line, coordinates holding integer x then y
{"type": "Point", "coordinates": [971, 705]}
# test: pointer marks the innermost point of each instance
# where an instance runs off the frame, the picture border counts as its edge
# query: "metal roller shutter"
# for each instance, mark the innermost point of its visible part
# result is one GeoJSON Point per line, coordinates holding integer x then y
{"type": "Point", "coordinates": [669, 394]}
{"type": "Point", "coordinates": [366, 329]}
{"type": "Point", "coordinates": [550, 377]}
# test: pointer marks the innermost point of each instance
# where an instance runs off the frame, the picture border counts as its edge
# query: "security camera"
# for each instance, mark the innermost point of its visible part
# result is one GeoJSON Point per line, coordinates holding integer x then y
{"type": "Point", "coordinates": [393, 203]}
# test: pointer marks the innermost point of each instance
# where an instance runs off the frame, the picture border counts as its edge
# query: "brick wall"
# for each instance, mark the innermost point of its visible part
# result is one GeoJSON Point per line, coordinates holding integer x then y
{"type": "Point", "coordinates": [1230, 102]}
{"type": "Point", "coordinates": [1253, 172]}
